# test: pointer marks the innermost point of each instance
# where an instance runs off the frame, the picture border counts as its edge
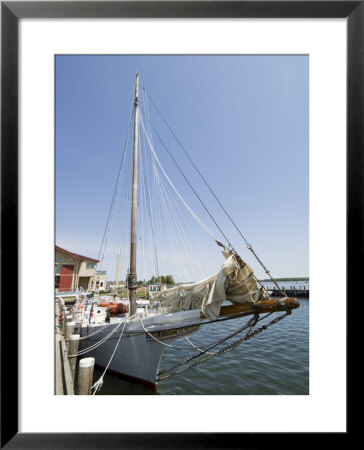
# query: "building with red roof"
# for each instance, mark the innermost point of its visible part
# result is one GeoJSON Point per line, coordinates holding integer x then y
{"type": "Point", "coordinates": [74, 272]}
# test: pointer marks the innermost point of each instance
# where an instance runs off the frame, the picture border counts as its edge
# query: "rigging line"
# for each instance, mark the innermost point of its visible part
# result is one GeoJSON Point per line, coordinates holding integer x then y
{"type": "Point", "coordinates": [99, 382]}
{"type": "Point", "coordinates": [157, 340]}
{"type": "Point", "coordinates": [118, 226]}
{"type": "Point", "coordinates": [183, 254]}
{"type": "Point", "coordinates": [195, 167]}
{"type": "Point", "coordinates": [98, 343]}
{"type": "Point", "coordinates": [249, 246]}
{"type": "Point", "coordinates": [112, 206]}
{"type": "Point", "coordinates": [125, 230]}
{"type": "Point", "coordinates": [192, 188]}
{"type": "Point", "coordinates": [124, 206]}
{"type": "Point", "coordinates": [169, 222]}
{"type": "Point", "coordinates": [186, 228]}
{"type": "Point", "coordinates": [210, 346]}
{"type": "Point", "coordinates": [179, 195]}
{"type": "Point", "coordinates": [180, 144]}
{"type": "Point", "coordinates": [208, 322]}
{"type": "Point", "coordinates": [165, 344]}
{"type": "Point", "coordinates": [94, 333]}
{"type": "Point", "coordinates": [172, 238]}
{"type": "Point", "coordinates": [190, 252]}
{"type": "Point", "coordinates": [147, 236]}
{"type": "Point", "coordinates": [157, 211]}
{"type": "Point", "coordinates": [145, 101]}
{"type": "Point", "coordinates": [171, 234]}
{"type": "Point", "coordinates": [254, 319]}
{"type": "Point", "coordinates": [193, 345]}
{"type": "Point", "coordinates": [228, 348]}
{"type": "Point", "coordinates": [148, 208]}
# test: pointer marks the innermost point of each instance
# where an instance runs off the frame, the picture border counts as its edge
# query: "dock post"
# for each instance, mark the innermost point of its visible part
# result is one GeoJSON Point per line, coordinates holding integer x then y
{"type": "Point", "coordinates": [59, 380]}
{"type": "Point", "coordinates": [67, 318]}
{"type": "Point", "coordinates": [70, 326]}
{"type": "Point", "coordinates": [85, 374]}
{"type": "Point", "coordinates": [72, 350]}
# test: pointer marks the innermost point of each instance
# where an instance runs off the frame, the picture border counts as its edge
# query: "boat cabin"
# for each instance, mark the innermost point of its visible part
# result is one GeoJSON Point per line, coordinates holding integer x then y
{"type": "Point", "coordinates": [152, 288]}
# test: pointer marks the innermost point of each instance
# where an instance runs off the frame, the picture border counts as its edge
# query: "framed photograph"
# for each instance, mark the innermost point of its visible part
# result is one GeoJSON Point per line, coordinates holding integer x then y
{"type": "Point", "coordinates": [280, 79]}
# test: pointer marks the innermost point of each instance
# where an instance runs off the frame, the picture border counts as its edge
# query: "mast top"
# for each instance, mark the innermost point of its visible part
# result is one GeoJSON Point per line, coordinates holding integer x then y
{"type": "Point", "coordinates": [136, 100]}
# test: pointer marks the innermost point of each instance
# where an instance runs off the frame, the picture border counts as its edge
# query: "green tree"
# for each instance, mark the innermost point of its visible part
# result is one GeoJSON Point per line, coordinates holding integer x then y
{"type": "Point", "coordinates": [162, 279]}
{"type": "Point", "coordinates": [169, 279]}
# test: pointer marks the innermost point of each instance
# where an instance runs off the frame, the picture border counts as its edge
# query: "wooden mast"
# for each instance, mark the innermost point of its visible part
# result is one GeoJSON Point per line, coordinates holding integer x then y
{"type": "Point", "coordinates": [132, 278]}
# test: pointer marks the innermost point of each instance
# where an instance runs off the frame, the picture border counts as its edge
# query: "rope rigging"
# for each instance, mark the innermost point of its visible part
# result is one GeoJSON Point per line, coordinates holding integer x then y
{"type": "Point", "coordinates": [164, 222]}
{"type": "Point", "coordinates": [115, 195]}
{"type": "Point", "coordinates": [249, 246]}
{"type": "Point", "coordinates": [164, 375]}
{"type": "Point", "coordinates": [176, 233]}
{"type": "Point", "coordinates": [99, 382]}
{"type": "Point", "coordinates": [194, 191]}
{"type": "Point", "coordinates": [174, 188]}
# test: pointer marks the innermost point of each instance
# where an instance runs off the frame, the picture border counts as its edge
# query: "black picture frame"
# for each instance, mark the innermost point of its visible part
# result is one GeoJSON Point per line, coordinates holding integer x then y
{"type": "Point", "coordinates": [11, 12]}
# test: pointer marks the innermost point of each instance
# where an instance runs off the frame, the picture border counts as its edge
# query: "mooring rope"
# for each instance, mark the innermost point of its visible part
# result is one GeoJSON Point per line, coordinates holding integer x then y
{"type": "Point", "coordinates": [97, 386]}
{"type": "Point", "coordinates": [94, 333]}
{"type": "Point", "coordinates": [101, 341]}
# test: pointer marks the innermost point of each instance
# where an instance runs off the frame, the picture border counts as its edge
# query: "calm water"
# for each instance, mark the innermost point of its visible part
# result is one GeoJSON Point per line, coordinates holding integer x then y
{"type": "Point", "coordinates": [275, 362]}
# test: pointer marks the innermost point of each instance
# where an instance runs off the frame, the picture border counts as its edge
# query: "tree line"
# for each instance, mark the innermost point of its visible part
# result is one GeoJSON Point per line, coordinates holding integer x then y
{"type": "Point", "coordinates": [162, 279]}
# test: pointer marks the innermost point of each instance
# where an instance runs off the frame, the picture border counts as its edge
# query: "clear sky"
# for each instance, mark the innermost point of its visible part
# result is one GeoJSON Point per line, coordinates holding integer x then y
{"type": "Point", "coordinates": [242, 119]}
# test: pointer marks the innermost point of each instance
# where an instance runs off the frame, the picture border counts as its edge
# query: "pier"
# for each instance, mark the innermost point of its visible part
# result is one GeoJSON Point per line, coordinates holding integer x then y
{"type": "Point", "coordinates": [292, 292]}
{"type": "Point", "coordinates": [66, 347]}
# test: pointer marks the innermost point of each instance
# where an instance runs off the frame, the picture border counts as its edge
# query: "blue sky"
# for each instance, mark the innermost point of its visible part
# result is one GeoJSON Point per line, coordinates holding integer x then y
{"type": "Point", "coordinates": [242, 119]}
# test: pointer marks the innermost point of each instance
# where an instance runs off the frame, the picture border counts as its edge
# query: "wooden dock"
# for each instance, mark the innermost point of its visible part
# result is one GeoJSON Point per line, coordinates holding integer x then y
{"type": "Point", "coordinates": [293, 292]}
{"type": "Point", "coordinates": [64, 381]}
{"type": "Point", "coordinates": [64, 384]}
{"type": "Point", "coordinates": [66, 345]}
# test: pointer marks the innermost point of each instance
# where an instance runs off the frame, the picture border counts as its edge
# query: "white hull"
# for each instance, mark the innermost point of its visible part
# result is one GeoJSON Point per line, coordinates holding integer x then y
{"type": "Point", "coordinates": [137, 354]}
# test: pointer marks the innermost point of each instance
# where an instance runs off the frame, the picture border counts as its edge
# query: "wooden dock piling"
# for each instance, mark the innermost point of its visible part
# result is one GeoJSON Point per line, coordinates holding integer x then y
{"type": "Point", "coordinates": [85, 374]}
{"type": "Point", "coordinates": [72, 350]}
{"type": "Point", "coordinates": [70, 326]}
{"type": "Point", "coordinates": [67, 318]}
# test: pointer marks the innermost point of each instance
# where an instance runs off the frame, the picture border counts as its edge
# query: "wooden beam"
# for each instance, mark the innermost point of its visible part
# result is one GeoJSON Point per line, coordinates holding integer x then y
{"type": "Point", "coordinates": [264, 306]}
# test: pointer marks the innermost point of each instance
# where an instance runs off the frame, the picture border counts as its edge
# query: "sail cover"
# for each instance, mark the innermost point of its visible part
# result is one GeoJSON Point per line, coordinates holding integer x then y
{"type": "Point", "coordinates": [233, 282]}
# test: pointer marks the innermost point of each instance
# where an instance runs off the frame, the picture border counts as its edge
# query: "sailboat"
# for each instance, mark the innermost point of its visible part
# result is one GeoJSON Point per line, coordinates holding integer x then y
{"type": "Point", "coordinates": [132, 344]}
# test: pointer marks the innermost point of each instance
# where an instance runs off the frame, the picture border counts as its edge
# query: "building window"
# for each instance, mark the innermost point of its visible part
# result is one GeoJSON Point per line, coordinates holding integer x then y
{"type": "Point", "coordinates": [59, 260]}
{"type": "Point", "coordinates": [57, 282]}
{"type": "Point", "coordinates": [58, 268]}
{"type": "Point", "coordinates": [90, 266]}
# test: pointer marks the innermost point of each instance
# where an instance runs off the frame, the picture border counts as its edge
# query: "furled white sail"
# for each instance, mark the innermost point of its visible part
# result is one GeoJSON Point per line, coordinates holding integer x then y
{"type": "Point", "coordinates": [234, 282]}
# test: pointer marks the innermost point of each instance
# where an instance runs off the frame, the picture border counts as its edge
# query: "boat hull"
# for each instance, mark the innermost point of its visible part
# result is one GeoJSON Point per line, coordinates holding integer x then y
{"type": "Point", "coordinates": [137, 353]}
